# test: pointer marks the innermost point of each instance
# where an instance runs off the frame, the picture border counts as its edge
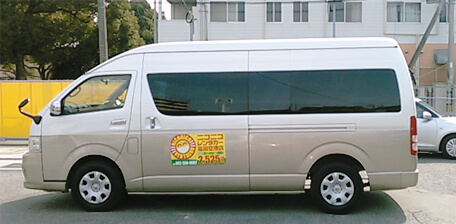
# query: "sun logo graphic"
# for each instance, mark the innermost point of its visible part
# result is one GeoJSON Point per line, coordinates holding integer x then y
{"type": "Point", "coordinates": [183, 147]}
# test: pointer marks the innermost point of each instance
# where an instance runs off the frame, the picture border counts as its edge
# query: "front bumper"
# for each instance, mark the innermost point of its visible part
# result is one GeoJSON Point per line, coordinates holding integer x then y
{"type": "Point", "coordinates": [32, 169]}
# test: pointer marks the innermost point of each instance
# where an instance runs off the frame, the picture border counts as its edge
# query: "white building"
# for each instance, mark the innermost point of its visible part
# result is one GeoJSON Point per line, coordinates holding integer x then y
{"type": "Point", "coordinates": [403, 20]}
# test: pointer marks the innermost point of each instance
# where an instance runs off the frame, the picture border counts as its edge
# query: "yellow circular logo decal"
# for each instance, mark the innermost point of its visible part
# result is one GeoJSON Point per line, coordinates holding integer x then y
{"type": "Point", "coordinates": [183, 147]}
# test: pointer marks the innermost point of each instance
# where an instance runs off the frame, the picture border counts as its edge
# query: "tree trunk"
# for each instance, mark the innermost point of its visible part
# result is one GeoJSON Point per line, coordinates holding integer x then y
{"type": "Point", "coordinates": [20, 67]}
{"type": "Point", "coordinates": [42, 72]}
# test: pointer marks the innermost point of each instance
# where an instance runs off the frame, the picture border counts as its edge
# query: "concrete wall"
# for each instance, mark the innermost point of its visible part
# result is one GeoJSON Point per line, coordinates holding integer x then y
{"type": "Point", "coordinates": [429, 72]}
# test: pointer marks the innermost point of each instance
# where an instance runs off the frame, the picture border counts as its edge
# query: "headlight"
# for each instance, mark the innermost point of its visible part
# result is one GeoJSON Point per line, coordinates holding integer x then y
{"type": "Point", "coordinates": [35, 144]}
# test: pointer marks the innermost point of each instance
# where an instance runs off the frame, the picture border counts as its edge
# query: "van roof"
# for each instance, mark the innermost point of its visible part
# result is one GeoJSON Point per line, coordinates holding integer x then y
{"type": "Point", "coordinates": [276, 44]}
{"type": "Point", "coordinates": [259, 45]}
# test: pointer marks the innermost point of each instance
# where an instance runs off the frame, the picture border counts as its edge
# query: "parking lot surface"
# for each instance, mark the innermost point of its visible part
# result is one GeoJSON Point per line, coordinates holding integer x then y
{"type": "Point", "coordinates": [431, 201]}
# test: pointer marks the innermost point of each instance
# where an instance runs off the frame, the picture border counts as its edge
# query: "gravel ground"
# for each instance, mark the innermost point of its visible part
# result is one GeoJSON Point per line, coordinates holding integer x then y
{"type": "Point", "coordinates": [437, 174]}
{"type": "Point", "coordinates": [432, 200]}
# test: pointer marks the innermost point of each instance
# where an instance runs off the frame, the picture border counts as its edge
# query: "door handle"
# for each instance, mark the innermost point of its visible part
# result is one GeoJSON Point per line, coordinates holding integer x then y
{"type": "Point", "coordinates": [152, 122]}
{"type": "Point", "coordinates": [119, 122]}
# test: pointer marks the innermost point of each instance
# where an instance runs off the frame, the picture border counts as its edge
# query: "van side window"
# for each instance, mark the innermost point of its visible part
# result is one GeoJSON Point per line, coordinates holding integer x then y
{"type": "Point", "coordinates": [97, 93]}
{"type": "Point", "coordinates": [269, 92]}
{"type": "Point", "coordinates": [200, 93]}
{"type": "Point", "coordinates": [334, 91]}
{"type": "Point", "coordinates": [277, 92]}
{"type": "Point", "coordinates": [345, 91]}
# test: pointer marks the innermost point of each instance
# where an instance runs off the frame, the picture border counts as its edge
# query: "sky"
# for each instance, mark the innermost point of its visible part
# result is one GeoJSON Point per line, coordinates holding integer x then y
{"type": "Point", "coordinates": [166, 7]}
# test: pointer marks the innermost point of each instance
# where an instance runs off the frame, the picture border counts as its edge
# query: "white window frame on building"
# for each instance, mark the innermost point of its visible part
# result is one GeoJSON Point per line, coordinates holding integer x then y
{"type": "Point", "coordinates": [236, 11]}
{"type": "Point", "coordinates": [349, 12]}
{"type": "Point", "coordinates": [274, 12]}
{"type": "Point", "coordinates": [227, 11]}
{"type": "Point", "coordinates": [300, 12]}
{"type": "Point", "coordinates": [403, 12]}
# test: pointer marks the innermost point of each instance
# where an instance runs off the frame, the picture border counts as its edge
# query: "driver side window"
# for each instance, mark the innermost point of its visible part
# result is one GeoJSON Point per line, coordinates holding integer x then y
{"type": "Point", "coordinates": [419, 110]}
{"type": "Point", "coordinates": [96, 94]}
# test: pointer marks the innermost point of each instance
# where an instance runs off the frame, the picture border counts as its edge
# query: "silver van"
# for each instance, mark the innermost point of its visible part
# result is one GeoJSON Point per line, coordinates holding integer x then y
{"type": "Point", "coordinates": [334, 117]}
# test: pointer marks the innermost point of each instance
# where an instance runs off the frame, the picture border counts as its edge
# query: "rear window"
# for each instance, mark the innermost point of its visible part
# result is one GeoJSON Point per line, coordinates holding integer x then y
{"type": "Point", "coordinates": [278, 92]}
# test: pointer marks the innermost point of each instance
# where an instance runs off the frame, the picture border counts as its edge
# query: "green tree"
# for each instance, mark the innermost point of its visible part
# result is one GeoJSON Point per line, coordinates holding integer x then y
{"type": "Point", "coordinates": [145, 16]}
{"type": "Point", "coordinates": [41, 29]}
{"type": "Point", "coordinates": [70, 26]}
{"type": "Point", "coordinates": [17, 19]}
{"type": "Point", "coordinates": [123, 28]}
{"type": "Point", "coordinates": [123, 34]}
{"type": "Point", "coordinates": [61, 37]}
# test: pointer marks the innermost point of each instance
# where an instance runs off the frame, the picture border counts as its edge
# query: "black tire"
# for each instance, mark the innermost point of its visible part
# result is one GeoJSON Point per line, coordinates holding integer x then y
{"type": "Point", "coordinates": [97, 186]}
{"type": "Point", "coordinates": [448, 147]}
{"type": "Point", "coordinates": [340, 196]}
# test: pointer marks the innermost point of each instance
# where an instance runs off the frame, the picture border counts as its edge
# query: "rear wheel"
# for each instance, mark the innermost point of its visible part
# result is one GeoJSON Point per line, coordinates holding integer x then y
{"type": "Point", "coordinates": [336, 188]}
{"type": "Point", "coordinates": [97, 186]}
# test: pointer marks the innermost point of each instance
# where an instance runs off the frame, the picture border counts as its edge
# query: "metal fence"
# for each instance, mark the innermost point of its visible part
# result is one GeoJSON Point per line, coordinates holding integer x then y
{"type": "Point", "coordinates": [442, 98]}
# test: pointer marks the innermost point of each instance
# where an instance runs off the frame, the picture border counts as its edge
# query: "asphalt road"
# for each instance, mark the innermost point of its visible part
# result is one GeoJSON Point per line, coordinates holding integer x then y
{"type": "Point", "coordinates": [431, 201]}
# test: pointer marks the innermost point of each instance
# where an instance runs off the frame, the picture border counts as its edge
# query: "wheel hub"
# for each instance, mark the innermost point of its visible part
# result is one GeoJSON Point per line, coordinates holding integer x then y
{"type": "Point", "coordinates": [337, 188]}
{"type": "Point", "coordinates": [96, 187]}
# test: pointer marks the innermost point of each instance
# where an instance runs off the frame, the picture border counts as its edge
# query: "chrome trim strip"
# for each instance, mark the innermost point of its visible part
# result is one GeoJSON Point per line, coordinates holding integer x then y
{"type": "Point", "coordinates": [302, 128]}
{"type": "Point", "coordinates": [394, 173]}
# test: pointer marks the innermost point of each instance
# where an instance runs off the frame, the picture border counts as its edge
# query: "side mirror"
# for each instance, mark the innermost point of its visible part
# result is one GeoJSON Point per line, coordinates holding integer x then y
{"type": "Point", "coordinates": [427, 115]}
{"type": "Point", "coordinates": [56, 108]}
{"type": "Point", "coordinates": [36, 119]}
{"type": "Point", "coordinates": [24, 102]}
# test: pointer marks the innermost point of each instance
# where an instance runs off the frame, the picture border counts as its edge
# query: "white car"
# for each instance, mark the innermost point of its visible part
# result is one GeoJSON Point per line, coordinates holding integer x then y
{"type": "Point", "coordinates": [435, 132]}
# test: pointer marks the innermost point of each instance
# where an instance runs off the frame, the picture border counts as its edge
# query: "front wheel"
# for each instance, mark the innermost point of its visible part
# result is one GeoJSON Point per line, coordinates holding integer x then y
{"type": "Point", "coordinates": [336, 188]}
{"type": "Point", "coordinates": [97, 186]}
{"type": "Point", "coordinates": [448, 147]}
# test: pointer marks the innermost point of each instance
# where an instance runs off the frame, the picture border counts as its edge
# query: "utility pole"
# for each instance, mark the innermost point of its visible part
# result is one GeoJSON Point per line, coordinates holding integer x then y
{"type": "Point", "coordinates": [160, 10]}
{"type": "Point", "coordinates": [425, 35]}
{"type": "Point", "coordinates": [334, 19]}
{"type": "Point", "coordinates": [102, 33]}
{"type": "Point", "coordinates": [203, 21]}
{"type": "Point", "coordinates": [450, 42]}
{"type": "Point", "coordinates": [155, 22]}
{"type": "Point", "coordinates": [333, 14]}
{"type": "Point", "coordinates": [190, 19]}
